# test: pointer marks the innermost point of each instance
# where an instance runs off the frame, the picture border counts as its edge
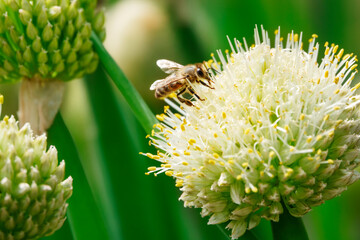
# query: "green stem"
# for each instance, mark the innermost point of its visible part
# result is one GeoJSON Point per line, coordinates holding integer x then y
{"type": "Point", "coordinates": [132, 97]}
{"type": "Point", "coordinates": [83, 214]}
{"type": "Point", "coordinates": [289, 227]}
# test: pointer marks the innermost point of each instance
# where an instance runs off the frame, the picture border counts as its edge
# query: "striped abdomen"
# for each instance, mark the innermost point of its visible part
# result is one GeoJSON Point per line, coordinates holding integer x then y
{"type": "Point", "coordinates": [169, 86]}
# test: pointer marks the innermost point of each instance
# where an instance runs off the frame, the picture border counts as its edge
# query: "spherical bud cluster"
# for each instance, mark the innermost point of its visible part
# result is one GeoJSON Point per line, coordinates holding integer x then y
{"type": "Point", "coordinates": [48, 39]}
{"type": "Point", "coordinates": [33, 191]}
{"type": "Point", "coordinates": [279, 130]}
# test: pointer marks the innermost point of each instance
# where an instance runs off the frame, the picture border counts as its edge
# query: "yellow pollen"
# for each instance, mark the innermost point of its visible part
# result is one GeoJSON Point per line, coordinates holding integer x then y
{"type": "Point", "coordinates": [330, 161]}
{"type": "Point", "coordinates": [186, 153]}
{"type": "Point", "coordinates": [281, 39]}
{"type": "Point", "coordinates": [177, 115]}
{"type": "Point", "coordinates": [326, 74]}
{"type": "Point", "coordinates": [212, 162]}
{"type": "Point", "coordinates": [176, 154]}
{"type": "Point", "coordinates": [1, 99]}
{"type": "Point", "coordinates": [245, 164]}
{"type": "Point", "coordinates": [262, 173]}
{"type": "Point", "coordinates": [255, 189]}
{"type": "Point", "coordinates": [247, 190]}
{"type": "Point", "coordinates": [160, 118]}
{"type": "Point", "coordinates": [247, 131]}
{"type": "Point", "coordinates": [302, 116]}
{"type": "Point", "coordinates": [319, 152]}
{"type": "Point", "coordinates": [6, 119]}
{"type": "Point", "coordinates": [250, 150]}
{"type": "Point", "coordinates": [314, 35]}
{"type": "Point", "coordinates": [326, 117]}
{"type": "Point", "coordinates": [166, 108]}
{"type": "Point", "coordinates": [276, 31]}
{"type": "Point", "coordinates": [336, 91]}
{"type": "Point", "coordinates": [292, 149]}
{"type": "Point", "coordinates": [318, 81]}
{"type": "Point", "coordinates": [310, 158]}
{"type": "Point", "coordinates": [336, 81]}
{"type": "Point", "coordinates": [215, 135]}
{"type": "Point", "coordinates": [169, 173]}
{"type": "Point", "coordinates": [341, 52]}
{"type": "Point", "coordinates": [231, 162]}
{"type": "Point", "coordinates": [286, 128]}
{"type": "Point", "coordinates": [182, 127]}
{"type": "Point", "coordinates": [238, 177]}
{"type": "Point", "coordinates": [353, 67]}
{"type": "Point", "coordinates": [326, 44]}
{"type": "Point", "coordinates": [355, 87]}
{"type": "Point", "coordinates": [261, 139]}
{"type": "Point", "coordinates": [167, 166]}
{"type": "Point", "coordinates": [318, 137]}
{"type": "Point", "coordinates": [185, 163]}
{"type": "Point", "coordinates": [308, 140]}
{"type": "Point", "coordinates": [331, 133]}
{"type": "Point", "coordinates": [179, 174]}
{"type": "Point", "coordinates": [192, 141]}
{"type": "Point", "coordinates": [327, 50]}
{"type": "Point", "coordinates": [216, 155]}
{"type": "Point", "coordinates": [347, 64]}
{"type": "Point", "coordinates": [224, 115]}
{"type": "Point", "coordinates": [271, 154]}
{"type": "Point", "coordinates": [222, 163]}
{"type": "Point", "coordinates": [151, 168]}
{"type": "Point", "coordinates": [147, 136]}
{"type": "Point", "coordinates": [179, 183]}
{"type": "Point", "coordinates": [212, 54]}
{"type": "Point", "coordinates": [147, 174]}
{"type": "Point", "coordinates": [172, 95]}
{"type": "Point", "coordinates": [296, 37]}
{"type": "Point", "coordinates": [335, 49]}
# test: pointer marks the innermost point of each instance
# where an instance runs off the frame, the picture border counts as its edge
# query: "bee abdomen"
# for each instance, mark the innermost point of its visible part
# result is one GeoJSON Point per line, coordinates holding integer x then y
{"type": "Point", "coordinates": [161, 92]}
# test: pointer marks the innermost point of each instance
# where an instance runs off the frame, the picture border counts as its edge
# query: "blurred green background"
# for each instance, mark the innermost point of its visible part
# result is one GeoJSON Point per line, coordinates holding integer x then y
{"type": "Point", "coordinates": [108, 138]}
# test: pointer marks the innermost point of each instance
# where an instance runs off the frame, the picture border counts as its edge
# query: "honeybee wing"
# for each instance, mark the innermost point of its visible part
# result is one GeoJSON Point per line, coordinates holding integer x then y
{"type": "Point", "coordinates": [153, 86]}
{"type": "Point", "coordinates": [168, 66]}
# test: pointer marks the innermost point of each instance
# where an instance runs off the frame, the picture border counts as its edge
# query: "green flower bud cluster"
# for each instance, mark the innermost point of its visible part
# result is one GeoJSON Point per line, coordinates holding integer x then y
{"type": "Point", "coordinates": [48, 39]}
{"type": "Point", "coordinates": [33, 191]}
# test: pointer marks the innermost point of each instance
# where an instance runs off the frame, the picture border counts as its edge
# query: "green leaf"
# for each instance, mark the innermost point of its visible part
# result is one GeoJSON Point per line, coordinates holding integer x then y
{"type": "Point", "coordinates": [289, 227]}
{"type": "Point", "coordinates": [132, 97]}
{"type": "Point", "coordinates": [83, 214]}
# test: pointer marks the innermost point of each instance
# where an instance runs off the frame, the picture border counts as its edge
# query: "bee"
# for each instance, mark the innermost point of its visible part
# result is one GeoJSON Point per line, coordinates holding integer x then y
{"type": "Point", "coordinates": [179, 79]}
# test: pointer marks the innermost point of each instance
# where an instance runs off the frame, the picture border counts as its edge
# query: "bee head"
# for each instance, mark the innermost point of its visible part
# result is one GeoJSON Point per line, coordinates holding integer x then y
{"type": "Point", "coordinates": [202, 72]}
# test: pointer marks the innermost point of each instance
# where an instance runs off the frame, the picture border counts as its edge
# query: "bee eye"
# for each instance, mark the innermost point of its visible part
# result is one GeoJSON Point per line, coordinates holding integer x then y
{"type": "Point", "coordinates": [199, 72]}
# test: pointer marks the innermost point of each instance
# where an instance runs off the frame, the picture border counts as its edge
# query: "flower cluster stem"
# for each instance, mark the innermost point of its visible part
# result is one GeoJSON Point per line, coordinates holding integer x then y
{"type": "Point", "coordinates": [132, 97]}
{"type": "Point", "coordinates": [289, 227]}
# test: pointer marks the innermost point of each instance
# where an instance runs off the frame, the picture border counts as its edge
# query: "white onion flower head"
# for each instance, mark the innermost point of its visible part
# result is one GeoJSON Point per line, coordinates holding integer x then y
{"type": "Point", "coordinates": [279, 130]}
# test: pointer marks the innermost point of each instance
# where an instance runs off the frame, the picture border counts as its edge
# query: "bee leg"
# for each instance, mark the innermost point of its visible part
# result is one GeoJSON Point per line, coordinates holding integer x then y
{"type": "Point", "coordinates": [183, 100]}
{"type": "Point", "coordinates": [191, 90]}
{"type": "Point", "coordinates": [205, 84]}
